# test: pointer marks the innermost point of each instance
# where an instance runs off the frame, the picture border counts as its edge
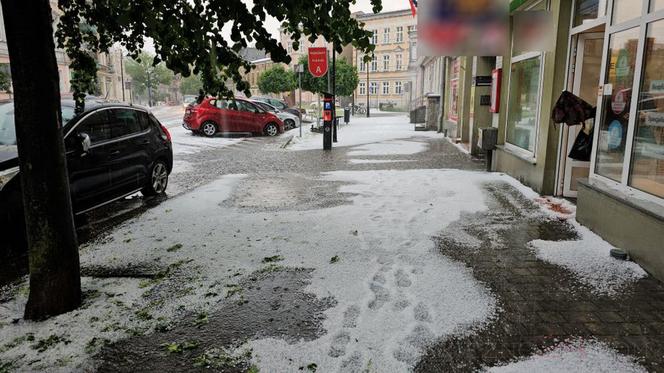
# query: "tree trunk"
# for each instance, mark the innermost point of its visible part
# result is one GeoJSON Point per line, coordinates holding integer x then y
{"type": "Point", "coordinates": [55, 284]}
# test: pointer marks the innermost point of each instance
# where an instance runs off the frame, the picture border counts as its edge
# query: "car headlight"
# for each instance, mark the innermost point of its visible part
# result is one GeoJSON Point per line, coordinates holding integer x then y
{"type": "Point", "coordinates": [7, 175]}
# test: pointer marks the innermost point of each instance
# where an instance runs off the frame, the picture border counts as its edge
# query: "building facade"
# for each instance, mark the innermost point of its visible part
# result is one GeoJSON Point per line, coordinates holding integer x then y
{"type": "Point", "coordinates": [384, 78]}
{"type": "Point", "coordinates": [609, 53]}
{"type": "Point", "coordinates": [110, 67]}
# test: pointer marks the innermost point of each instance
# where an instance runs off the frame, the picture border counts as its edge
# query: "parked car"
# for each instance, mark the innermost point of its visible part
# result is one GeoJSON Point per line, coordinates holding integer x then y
{"type": "Point", "coordinates": [112, 151]}
{"type": "Point", "coordinates": [290, 121]}
{"type": "Point", "coordinates": [214, 116]}
{"type": "Point", "coordinates": [279, 105]}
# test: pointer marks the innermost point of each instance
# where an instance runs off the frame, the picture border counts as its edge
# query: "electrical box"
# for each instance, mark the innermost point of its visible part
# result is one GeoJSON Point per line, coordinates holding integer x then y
{"type": "Point", "coordinates": [487, 138]}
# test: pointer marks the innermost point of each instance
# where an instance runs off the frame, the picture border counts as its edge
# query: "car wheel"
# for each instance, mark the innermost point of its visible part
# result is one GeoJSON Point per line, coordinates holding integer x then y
{"type": "Point", "coordinates": [158, 180]}
{"type": "Point", "coordinates": [209, 128]}
{"type": "Point", "coordinates": [289, 123]}
{"type": "Point", "coordinates": [271, 129]}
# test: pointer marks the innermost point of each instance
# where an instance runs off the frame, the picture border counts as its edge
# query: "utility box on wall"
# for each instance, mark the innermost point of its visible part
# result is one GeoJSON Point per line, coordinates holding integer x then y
{"type": "Point", "coordinates": [487, 138]}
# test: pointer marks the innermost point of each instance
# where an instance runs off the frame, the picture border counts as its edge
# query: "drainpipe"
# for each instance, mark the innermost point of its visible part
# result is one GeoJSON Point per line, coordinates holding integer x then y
{"type": "Point", "coordinates": [441, 108]}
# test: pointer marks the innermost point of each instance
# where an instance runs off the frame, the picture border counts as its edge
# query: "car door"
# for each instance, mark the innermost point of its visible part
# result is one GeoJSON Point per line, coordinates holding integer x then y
{"type": "Point", "coordinates": [250, 120]}
{"type": "Point", "coordinates": [227, 113]}
{"type": "Point", "coordinates": [130, 156]}
{"type": "Point", "coordinates": [89, 172]}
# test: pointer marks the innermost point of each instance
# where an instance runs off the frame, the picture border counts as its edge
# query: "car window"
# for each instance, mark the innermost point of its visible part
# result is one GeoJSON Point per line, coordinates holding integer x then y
{"type": "Point", "coordinates": [144, 120]}
{"type": "Point", "coordinates": [7, 129]}
{"type": "Point", "coordinates": [68, 113]}
{"type": "Point", "coordinates": [221, 104]}
{"type": "Point", "coordinates": [126, 122]}
{"type": "Point", "coordinates": [246, 106]}
{"type": "Point", "coordinates": [98, 126]}
{"type": "Point", "coordinates": [278, 104]}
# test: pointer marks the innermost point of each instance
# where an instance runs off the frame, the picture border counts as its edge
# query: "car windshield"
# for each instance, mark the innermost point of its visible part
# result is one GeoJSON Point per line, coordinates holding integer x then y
{"type": "Point", "coordinates": [7, 128]}
{"type": "Point", "coordinates": [266, 107]}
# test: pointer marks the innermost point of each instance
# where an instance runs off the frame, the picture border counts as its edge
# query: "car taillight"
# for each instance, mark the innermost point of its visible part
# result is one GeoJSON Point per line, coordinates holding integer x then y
{"type": "Point", "coordinates": [166, 135]}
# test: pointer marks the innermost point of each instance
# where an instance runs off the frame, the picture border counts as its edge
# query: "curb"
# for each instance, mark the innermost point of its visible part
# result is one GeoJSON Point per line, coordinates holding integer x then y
{"type": "Point", "coordinates": [287, 142]}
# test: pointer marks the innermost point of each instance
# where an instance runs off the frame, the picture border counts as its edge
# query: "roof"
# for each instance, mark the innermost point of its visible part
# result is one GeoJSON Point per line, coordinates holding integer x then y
{"type": "Point", "coordinates": [252, 54]}
{"type": "Point", "coordinates": [394, 13]}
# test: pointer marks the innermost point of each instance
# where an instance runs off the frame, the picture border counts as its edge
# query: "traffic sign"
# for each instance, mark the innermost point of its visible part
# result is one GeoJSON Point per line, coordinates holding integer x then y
{"type": "Point", "coordinates": [318, 61]}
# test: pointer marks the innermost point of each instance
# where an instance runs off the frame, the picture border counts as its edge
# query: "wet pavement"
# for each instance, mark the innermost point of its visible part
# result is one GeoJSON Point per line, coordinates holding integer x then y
{"type": "Point", "coordinates": [540, 304]}
{"type": "Point", "coordinates": [264, 304]}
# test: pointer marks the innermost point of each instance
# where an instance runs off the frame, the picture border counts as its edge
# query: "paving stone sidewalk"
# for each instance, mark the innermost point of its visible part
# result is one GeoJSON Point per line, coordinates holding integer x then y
{"type": "Point", "coordinates": [541, 303]}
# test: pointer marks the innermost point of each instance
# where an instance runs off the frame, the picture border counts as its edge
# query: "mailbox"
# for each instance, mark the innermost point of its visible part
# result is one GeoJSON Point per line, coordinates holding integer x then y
{"type": "Point", "coordinates": [487, 138]}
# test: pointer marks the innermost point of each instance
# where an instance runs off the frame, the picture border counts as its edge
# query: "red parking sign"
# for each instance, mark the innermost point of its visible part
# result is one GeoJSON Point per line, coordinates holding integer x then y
{"type": "Point", "coordinates": [318, 61]}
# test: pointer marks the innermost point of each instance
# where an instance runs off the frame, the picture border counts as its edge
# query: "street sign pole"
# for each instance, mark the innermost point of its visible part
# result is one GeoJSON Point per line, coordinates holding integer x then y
{"type": "Point", "coordinates": [334, 94]}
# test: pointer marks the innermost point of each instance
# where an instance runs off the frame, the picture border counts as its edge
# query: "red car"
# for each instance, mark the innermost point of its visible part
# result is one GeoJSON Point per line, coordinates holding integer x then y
{"type": "Point", "coordinates": [214, 116]}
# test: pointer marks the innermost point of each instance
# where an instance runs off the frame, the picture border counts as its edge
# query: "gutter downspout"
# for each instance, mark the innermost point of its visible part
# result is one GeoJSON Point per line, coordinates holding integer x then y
{"type": "Point", "coordinates": [441, 109]}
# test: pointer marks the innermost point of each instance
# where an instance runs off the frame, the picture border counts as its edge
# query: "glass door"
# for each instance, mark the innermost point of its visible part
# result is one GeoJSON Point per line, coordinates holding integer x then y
{"type": "Point", "coordinates": [587, 69]}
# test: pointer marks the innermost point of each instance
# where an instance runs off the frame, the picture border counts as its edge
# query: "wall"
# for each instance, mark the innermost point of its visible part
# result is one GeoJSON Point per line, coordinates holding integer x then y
{"type": "Point", "coordinates": [539, 172]}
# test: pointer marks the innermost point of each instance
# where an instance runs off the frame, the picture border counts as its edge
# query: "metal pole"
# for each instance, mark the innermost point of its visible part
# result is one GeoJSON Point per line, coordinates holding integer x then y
{"type": "Point", "coordinates": [149, 90]}
{"type": "Point", "coordinates": [122, 75]}
{"type": "Point", "coordinates": [299, 82]}
{"type": "Point", "coordinates": [368, 88]}
{"type": "Point", "coordinates": [334, 93]}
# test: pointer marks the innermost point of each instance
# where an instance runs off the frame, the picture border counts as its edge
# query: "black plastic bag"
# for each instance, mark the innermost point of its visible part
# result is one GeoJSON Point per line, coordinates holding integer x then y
{"type": "Point", "coordinates": [583, 146]}
{"type": "Point", "coordinates": [571, 109]}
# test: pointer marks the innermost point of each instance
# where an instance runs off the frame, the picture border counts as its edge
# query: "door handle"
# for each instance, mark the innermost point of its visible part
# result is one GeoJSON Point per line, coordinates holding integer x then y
{"type": "Point", "coordinates": [115, 152]}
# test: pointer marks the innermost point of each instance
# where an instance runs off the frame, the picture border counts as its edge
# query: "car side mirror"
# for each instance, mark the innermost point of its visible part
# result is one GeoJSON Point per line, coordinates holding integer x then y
{"type": "Point", "coordinates": [85, 143]}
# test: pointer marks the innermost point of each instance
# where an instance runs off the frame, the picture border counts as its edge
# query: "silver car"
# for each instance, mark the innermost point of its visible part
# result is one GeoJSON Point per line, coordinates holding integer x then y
{"type": "Point", "coordinates": [290, 120]}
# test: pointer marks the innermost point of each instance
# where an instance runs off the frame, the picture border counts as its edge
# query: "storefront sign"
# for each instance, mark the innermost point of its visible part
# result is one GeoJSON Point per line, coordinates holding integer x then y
{"type": "Point", "coordinates": [496, 76]}
{"type": "Point", "coordinates": [619, 101]}
{"type": "Point", "coordinates": [622, 65]}
{"type": "Point", "coordinates": [318, 61]}
{"type": "Point", "coordinates": [656, 86]}
{"type": "Point", "coordinates": [482, 81]}
{"type": "Point", "coordinates": [615, 134]}
{"type": "Point", "coordinates": [654, 119]}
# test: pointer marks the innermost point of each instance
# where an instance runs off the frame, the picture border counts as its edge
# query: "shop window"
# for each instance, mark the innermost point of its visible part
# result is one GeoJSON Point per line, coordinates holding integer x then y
{"type": "Point", "coordinates": [656, 5]}
{"type": "Point", "coordinates": [625, 10]}
{"type": "Point", "coordinates": [523, 103]}
{"type": "Point", "coordinates": [585, 10]}
{"type": "Point", "coordinates": [616, 103]}
{"type": "Point", "coordinates": [647, 168]}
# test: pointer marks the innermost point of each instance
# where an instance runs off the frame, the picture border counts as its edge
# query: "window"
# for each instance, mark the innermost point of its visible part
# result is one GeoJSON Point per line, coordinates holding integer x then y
{"type": "Point", "coordinates": [126, 122]}
{"type": "Point", "coordinates": [289, 48]}
{"type": "Point", "coordinates": [399, 59]}
{"type": "Point", "coordinates": [616, 103]}
{"type": "Point", "coordinates": [363, 88]}
{"type": "Point", "coordinates": [624, 10]}
{"type": "Point", "coordinates": [373, 88]}
{"type": "Point", "coordinates": [97, 126]}
{"type": "Point", "coordinates": [386, 88]}
{"type": "Point", "coordinates": [361, 64]}
{"type": "Point", "coordinates": [585, 10]}
{"type": "Point", "coordinates": [656, 5]}
{"type": "Point", "coordinates": [374, 37]}
{"type": "Point", "coordinates": [386, 36]}
{"type": "Point", "coordinates": [247, 107]}
{"type": "Point", "coordinates": [399, 34]}
{"type": "Point", "coordinates": [397, 88]}
{"type": "Point", "coordinates": [411, 28]}
{"type": "Point", "coordinates": [647, 168]}
{"type": "Point", "coordinates": [453, 113]}
{"type": "Point", "coordinates": [386, 62]}
{"type": "Point", "coordinates": [374, 63]}
{"type": "Point", "coordinates": [523, 103]}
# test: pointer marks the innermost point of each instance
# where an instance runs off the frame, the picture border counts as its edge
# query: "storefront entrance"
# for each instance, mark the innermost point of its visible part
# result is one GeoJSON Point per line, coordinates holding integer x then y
{"type": "Point", "coordinates": [584, 80]}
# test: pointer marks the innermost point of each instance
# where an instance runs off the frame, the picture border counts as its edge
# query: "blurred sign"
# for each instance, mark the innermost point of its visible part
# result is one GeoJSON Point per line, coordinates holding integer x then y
{"type": "Point", "coordinates": [318, 61]}
{"type": "Point", "coordinates": [298, 68]}
{"type": "Point", "coordinates": [496, 77]}
{"type": "Point", "coordinates": [462, 27]}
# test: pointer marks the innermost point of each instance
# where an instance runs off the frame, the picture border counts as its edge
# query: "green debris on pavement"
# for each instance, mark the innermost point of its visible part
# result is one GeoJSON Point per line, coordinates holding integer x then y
{"type": "Point", "coordinates": [46, 343]}
{"type": "Point", "coordinates": [334, 259]}
{"type": "Point", "coordinates": [272, 259]}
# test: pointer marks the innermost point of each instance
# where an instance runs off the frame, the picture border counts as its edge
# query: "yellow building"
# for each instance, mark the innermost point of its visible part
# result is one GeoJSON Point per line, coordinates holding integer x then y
{"type": "Point", "coordinates": [384, 78]}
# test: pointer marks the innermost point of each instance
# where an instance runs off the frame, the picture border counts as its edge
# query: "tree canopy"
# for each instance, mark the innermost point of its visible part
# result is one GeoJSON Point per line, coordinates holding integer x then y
{"type": "Point", "coordinates": [346, 78]}
{"type": "Point", "coordinates": [5, 81]}
{"type": "Point", "coordinates": [276, 80]}
{"type": "Point", "coordinates": [143, 67]}
{"type": "Point", "coordinates": [187, 34]}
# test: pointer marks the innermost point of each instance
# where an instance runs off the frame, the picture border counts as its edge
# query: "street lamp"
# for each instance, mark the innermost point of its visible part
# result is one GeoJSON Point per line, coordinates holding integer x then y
{"type": "Point", "coordinates": [368, 87]}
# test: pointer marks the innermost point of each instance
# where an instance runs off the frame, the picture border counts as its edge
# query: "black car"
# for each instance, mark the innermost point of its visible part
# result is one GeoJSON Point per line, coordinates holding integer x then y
{"type": "Point", "coordinates": [112, 150]}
